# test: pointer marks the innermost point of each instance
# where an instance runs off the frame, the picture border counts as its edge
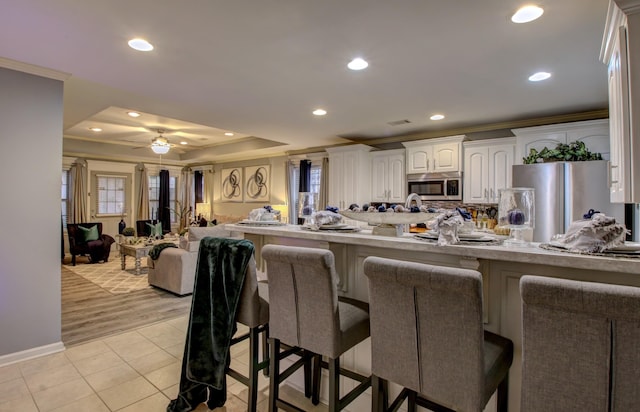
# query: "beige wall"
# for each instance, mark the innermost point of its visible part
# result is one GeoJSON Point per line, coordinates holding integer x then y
{"type": "Point", "coordinates": [276, 186]}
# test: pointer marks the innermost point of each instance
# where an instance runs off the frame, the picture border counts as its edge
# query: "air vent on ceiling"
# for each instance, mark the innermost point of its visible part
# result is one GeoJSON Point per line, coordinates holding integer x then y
{"type": "Point", "coordinates": [399, 122]}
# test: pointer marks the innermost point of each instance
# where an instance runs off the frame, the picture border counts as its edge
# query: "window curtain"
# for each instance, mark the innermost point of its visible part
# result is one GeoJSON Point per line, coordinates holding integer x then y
{"type": "Point", "coordinates": [78, 198]}
{"type": "Point", "coordinates": [305, 176]}
{"type": "Point", "coordinates": [142, 200]}
{"type": "Point", "coordinates": [324, 184]}
{"type": "Point", "coordinates": [185, 197]}
{"type": "Point", "coordinates": [197, 185]}
{"type": "Point", "coordinates": [207, 191]}
{"type": "Point", "coordinates": [164, 212]}
{"type": "Point", "coordinates": [288, 168]}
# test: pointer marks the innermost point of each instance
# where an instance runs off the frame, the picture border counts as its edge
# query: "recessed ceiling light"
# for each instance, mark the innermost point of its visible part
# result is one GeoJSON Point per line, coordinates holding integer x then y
{"type": "Point", "coordinates": [228, 134]}
{"type": "Point", "coordinates": [140, 45]}
{"type": "Point", "coordinates": [133, 114]}
{"type": "Point", "coordinates": [358, 64]}
{"type": "Point", "coordinates": [183, 142]}
{"type": "Point", "coordinates": [536, 77]}
{"type": "Point", "coordinates": [319, 112]}
{"type": "Point", "coordinates": [437, 117]}
{"type": "Point", "coordinates": [526, 14]}
{"type": "Point", "coordinates": [95, 129]}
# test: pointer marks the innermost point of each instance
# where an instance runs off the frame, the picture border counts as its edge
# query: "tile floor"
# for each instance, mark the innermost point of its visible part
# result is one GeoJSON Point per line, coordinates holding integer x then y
{"type": "Point", "coordinates": [135, 371]}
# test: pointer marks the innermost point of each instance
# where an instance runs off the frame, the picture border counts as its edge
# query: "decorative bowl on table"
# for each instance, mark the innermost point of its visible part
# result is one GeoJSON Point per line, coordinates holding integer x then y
{"type": "Point", "coordinates": [388, 223]}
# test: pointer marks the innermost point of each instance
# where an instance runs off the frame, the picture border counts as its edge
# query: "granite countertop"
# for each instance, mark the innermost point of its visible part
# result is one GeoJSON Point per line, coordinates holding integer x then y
{"type": "Point", "coordinates": [533, 254]}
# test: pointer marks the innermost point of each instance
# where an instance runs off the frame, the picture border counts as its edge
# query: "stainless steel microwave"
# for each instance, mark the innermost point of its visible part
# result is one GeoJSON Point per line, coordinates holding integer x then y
{"type": "Point", "coordinates": [436, 186]}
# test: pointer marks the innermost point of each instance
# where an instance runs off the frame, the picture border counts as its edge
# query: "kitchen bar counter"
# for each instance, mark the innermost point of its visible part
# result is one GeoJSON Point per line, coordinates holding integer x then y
{"type": "Point", "coordinates": [501, 268]}
{"type": "Point", "coordinates": [478, 251]}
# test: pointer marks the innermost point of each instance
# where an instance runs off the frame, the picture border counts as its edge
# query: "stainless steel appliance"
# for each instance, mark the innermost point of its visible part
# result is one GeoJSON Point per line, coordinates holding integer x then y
{"type": "Point", "coordinates": [564, 191]}
{"type": "Point", "coordinates": [436, 186]}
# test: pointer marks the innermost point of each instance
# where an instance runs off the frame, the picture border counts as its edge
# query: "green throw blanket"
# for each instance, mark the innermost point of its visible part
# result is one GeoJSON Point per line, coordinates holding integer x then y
{"type": "Point", "coordinates": [222, 265]}
{"type": "Point", "coordinates": [154, 253]}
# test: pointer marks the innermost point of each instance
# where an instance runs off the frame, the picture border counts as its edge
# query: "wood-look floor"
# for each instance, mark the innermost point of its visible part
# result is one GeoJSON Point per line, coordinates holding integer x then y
{"type": "Point", "coordinates": [90, 312]}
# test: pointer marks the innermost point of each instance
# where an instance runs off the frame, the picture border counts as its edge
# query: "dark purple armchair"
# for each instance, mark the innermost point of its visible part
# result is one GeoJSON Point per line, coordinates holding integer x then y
{"type": "Point", "coordinates": [88, 239]}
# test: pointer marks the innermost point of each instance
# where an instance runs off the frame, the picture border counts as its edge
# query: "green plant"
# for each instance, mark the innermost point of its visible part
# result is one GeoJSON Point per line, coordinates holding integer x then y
{"type": "Point", "coordinates": [129, 231]}
{"type": "Point", "coordinates": [183, 213]}
{"type": "Point", "coordinates": [573, 152]}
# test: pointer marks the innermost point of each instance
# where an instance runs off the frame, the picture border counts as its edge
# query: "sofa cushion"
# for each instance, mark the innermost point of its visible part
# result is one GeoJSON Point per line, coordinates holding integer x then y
{"type": "Point", "coordinates": [196, 234]}
{"type": "Point", "coordinates": [155, 230]}
{"type": "Point", "coordinates": [87, 234]}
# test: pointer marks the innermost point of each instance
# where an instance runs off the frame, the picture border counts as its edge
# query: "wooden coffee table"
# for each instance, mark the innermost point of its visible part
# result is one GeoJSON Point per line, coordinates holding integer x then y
{"type": "Point", "coordinates": [136, 251]}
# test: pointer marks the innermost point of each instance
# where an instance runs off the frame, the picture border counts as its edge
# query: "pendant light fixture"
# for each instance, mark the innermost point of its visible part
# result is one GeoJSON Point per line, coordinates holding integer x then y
{"type": "Point", "coordinates": [160, 145]}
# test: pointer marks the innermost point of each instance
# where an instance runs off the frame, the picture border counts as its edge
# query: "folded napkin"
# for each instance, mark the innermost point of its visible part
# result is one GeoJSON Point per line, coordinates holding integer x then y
{"type": "Point", "coordinates": [263, 214]}
{"type": "Point", "coordinates": [593, 235]}
{"type": "Point", "coordinates": [446, 224]}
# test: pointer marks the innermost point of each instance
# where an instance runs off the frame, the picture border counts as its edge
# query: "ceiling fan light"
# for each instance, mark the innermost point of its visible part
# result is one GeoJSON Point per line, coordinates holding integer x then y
{"type": "Point", "coordinates": [160, 146]}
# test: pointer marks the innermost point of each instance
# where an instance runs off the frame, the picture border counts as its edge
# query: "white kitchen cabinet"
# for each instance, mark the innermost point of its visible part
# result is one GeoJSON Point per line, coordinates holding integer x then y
{"type": "Point", "coordinates": [621, 52]}
{"type": "Point", "coordinates": [594, 134]}
{"type": "Point", "coordinates": [349, 175]}
{"type": "Point", "coordinates": [443, 154]}
{"type": "Point", "coordinates": [388, 176]}
{"type": "Point", "coordinates": [487, 169]}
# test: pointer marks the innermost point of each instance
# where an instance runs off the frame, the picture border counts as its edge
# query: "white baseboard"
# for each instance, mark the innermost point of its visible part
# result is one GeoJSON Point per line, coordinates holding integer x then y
{"type": "Point", "coordinates": [31, 353]}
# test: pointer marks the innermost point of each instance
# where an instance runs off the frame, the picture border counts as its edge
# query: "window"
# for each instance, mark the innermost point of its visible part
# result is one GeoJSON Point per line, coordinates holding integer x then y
{"type": "Point", "coordinates": [154, 197]}
{"type": "Point", "coordinates": [111, 194]}
{"type": "Point", "coordinates": [314, 184]}
{"type": "Point", "coordinates": [65, 196]}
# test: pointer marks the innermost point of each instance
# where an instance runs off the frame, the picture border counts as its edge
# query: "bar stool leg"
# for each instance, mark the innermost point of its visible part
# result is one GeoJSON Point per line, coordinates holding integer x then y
{"type": "Point", "coordinates": [376, 394]}
{"type": "Point", "coordinates": [265, 347]}
{"type": "Point", "coordinates": [308, 391]}
{"type": "Point", "coordinates": [317, 374]}
{"type": "Point", "coordinates": [334, 385]}
{"type": "Point", "coordinates": [254, 336]}
{"type": "Point", "coordinates": [274, 372]}
{"type": "Point", "coordinates": [411, 402]}
{"type": "Point", "coordinates": [503, 394]}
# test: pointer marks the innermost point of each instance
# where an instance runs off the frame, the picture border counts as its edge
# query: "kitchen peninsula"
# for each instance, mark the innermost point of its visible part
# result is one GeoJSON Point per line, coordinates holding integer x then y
{"type": "Point", "coordinates": [500, 266]}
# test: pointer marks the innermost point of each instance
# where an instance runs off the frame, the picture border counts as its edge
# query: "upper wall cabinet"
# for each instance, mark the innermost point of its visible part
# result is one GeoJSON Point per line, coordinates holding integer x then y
{"type": "Point", "coordinates": [594, 134]}
{"type": "Point", "coordinates": [443, 154]}
{"type": "Point", "coordinates": [487, 169]}
{"type": "Point", "coordinates": [349, 175]}
{"type": "Point", "coordinates": [388, 176]}
{"type": "Point", "coordinates": [621, 53]}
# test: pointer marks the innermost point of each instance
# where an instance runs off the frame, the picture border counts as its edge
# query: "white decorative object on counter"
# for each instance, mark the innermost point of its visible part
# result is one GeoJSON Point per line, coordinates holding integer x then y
{"type": "Point", "coordinates": [388, 224]}
{"type": "Point", "coordinates": [516, 211]}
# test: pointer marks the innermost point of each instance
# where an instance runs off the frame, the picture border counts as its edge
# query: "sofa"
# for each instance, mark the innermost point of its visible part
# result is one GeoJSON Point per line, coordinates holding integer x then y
{"type": "Point", "coordinates": [175, 268]}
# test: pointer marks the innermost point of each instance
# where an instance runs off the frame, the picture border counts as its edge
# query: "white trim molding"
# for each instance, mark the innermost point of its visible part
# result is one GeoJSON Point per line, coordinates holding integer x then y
{"type": "Point", "coordinates": [32, 353]}
{"type": "Point", "coordinates": [33, 69]}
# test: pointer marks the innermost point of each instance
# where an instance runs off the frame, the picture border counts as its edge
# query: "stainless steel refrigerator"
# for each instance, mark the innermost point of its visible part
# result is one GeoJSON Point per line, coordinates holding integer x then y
{"type": "Point", "coordinates": [564, 191]}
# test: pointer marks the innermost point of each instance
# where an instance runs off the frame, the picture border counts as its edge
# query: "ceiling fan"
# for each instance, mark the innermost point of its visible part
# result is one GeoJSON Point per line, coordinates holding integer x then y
{"type": "Point", "coordinates": [159, 144]}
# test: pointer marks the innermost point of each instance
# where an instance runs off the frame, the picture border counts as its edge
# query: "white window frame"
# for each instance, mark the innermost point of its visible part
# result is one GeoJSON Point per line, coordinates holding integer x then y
{"type": "Point", "coordinates": [154, 202]}
{"type": "Point", "coordinates": [118, 205]}
{"type": "Point", "coordinates": [64, 195]}
{"type": "Point", "coordinates": [314, 184]}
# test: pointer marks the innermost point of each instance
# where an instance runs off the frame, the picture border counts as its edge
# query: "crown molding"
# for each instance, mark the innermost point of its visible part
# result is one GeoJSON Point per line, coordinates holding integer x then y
{"type": "Point", "coordinates": [629, 6]}
{"type": "Point", "coordinates": [33, 69]}
{"type": "Point", "coordinates": [538, 121]}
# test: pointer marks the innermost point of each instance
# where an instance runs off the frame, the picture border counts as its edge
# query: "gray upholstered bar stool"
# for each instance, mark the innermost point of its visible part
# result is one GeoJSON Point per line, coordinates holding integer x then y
{"type": "Point", "coordinates": [305, 312]}
{"type": "Point", "coordinates": [253, 312]}
{"type": "Point", "coordinates": [427, 335]}
{"type": "Point", "coordinates": [580, 346]}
